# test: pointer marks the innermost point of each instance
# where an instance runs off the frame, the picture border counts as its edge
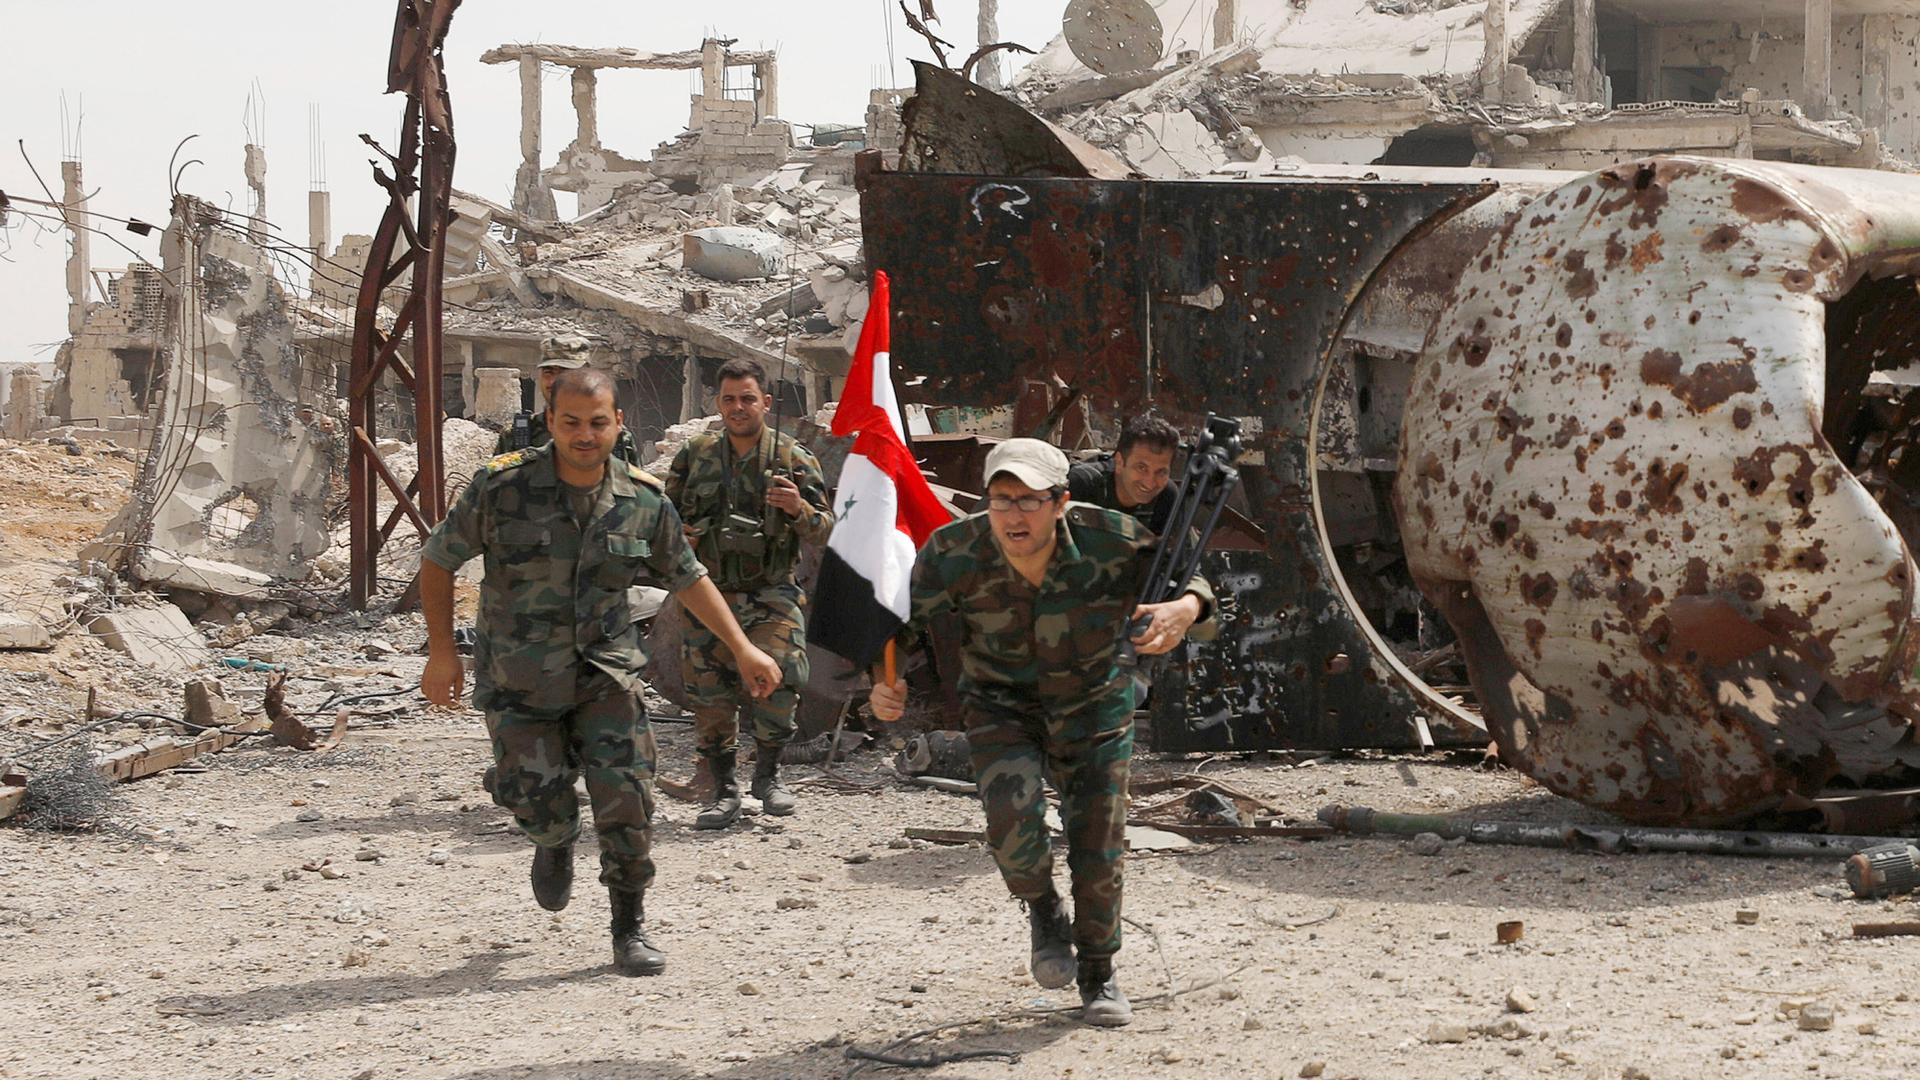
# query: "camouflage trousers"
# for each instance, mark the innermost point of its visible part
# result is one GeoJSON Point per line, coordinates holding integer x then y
{"type": "Point", "coordinates": [772, 619]}
{"type": "Point", "coordinates": [1087, 758]}
{"type": "Point", "coordinates": [605, 736]}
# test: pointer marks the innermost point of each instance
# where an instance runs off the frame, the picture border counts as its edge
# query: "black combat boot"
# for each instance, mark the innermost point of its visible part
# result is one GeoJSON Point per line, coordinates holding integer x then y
{"type": "Point", "coordinates": [1101, 1002]}
{"type": "Point", "coordinates": [725, 809]}
{"type": "Point", "coordinates": [553, 876]}
{"type": "Point", "coordinates": [1052, 932]}
{"type": "Point", "coordinates": [774, 797]}
{"type": "Point", "coordinates": [633, 954]}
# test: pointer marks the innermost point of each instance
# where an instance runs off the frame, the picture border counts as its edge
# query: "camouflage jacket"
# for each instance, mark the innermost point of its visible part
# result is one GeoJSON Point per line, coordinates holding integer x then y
{"type": "Point", "coordinates": [1057, 645]}
{"type": "Point", "coordinates": [553, 597]}
{"type": "Point", "coordinates": [624, 448]}
{"type": "Point", "coordinates": [707, 482]}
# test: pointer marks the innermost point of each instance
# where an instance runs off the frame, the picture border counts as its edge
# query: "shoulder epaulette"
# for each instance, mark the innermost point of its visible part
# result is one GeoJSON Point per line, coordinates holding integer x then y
{"type": "Point", "coordinates": [509, 460]}
{"type": "Point", "coordinates": [1087, 515]}
{"type": "Point", "coordinates": [642, 476]}
{"type": "Point", "coordinates": [959, 532]}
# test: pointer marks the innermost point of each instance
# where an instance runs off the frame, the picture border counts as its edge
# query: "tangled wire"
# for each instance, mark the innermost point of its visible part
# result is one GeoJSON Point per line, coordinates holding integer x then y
{"type": "Point", "coordinates": [68, 794]}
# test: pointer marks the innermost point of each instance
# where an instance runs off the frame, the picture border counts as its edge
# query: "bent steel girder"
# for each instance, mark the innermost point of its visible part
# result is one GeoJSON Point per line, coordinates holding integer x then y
{"type": "Point", "coordinates": [1676, 600]}
{"type": "Point", "coordinates": [422, 171]}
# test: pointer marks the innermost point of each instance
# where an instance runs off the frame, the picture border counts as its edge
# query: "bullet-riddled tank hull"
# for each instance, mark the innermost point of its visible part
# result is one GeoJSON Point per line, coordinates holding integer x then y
{"type": "Point", "coordinates": [1648, 475]}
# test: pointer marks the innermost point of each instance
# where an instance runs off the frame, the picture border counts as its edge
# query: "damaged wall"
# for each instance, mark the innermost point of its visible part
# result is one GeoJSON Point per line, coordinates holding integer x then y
{"type": "Point", "coordinates": [233, 494]}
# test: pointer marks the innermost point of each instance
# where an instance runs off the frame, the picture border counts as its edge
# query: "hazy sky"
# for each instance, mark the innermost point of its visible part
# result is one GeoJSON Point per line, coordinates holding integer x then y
{"type": "Point", "coordinates": [153, 73]}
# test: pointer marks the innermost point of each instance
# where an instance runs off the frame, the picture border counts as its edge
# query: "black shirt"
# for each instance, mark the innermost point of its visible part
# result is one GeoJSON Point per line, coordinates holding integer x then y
{"type": "Point", "coordinates": [1093, 482]}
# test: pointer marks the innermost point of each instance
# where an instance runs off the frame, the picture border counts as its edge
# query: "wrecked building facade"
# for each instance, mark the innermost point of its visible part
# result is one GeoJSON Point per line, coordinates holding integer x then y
{"type": "Point", "coordinates": [1568, 84]}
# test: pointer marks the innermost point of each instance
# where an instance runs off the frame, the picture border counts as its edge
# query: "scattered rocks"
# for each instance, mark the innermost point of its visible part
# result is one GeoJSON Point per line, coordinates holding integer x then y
{"type": "Point", "coordinates": [1165, 1055]}
{"type": "Point", "coordinates": [309, 815]}
{"type": "Point", "coordinates": [795, 903]}
{"type": "Point", "coordinates": [1252, 1023]}
{"type": "Point", "coordinates": [1519, 1001]}
{"type": "Point", "coordinates": [437, 857]}
{"type": "Point", "coordinates": [748, 989]}
{"type": "Point", "coordinates": [1507, 1027]}
{"type": "Point", "coordinates": [1429, 844]}
{"type": "Point", "coordinates": [1312, 1069]}
{"type": "Point", "coordinates": [1817, 1016]}
{"type": "Point", "coordinates": [1441, 1031]}
{"type": "Point", "coordinates": [1746, 916]}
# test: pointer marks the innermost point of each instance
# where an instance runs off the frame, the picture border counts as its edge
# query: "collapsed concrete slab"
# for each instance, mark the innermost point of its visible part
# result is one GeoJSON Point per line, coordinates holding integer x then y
{"type": "Point", "coordinates": [18, 632]}
{"type": "Point", "coordinates": [159, 637]}
{"type": "Point", "coordinates": [233, 493]}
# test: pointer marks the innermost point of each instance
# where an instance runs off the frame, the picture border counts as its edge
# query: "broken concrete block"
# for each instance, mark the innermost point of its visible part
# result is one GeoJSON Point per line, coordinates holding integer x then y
{"type": "Point", "coordinates": [159, 637]}
{"type": "Point", "coordinates": [732, 253]}
{"type": "Point", "coordinates": [211, 576]}
{"type": "Point", "coordinates": [208, 707]}
{"type": "Point", "coordinates": [17, 632]}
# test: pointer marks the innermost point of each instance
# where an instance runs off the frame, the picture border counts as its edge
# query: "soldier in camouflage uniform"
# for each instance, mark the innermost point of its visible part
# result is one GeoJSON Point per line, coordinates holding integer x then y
{"type": "Point", "coordinates": [564, 352]}
{"type": "Point", "coordinates": [748, 497]}
{"type": "Point", "coordinates": [1044, 591]}
{"type": "Point", "coordinates": [564, 532]}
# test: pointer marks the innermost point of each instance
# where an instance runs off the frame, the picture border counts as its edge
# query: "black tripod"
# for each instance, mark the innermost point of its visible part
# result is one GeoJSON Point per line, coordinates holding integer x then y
{"type": "Point", "coordinates": [1205, 485]}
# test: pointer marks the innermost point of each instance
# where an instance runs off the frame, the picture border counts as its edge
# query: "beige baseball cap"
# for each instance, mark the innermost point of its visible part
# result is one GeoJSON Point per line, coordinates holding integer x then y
{"type": "Point", "coordinates": [565, 351]}
{"type": "Point", "coordinates": [1039, 465]}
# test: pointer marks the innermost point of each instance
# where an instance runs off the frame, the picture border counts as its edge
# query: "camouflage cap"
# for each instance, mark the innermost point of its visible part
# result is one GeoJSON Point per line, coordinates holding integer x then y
{"type": "Point", "coordinates": [1039, 465]}
{"type": "Point", "coordinates": [565, 351]}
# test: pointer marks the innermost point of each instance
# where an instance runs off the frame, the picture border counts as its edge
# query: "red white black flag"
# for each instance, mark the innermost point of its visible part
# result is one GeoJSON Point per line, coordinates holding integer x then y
{"type": "Point", "coordinates": [883, 508]}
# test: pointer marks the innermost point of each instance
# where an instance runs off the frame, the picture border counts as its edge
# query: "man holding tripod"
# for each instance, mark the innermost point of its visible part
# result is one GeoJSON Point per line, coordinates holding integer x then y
{"type": "Point", "coordinates": [1045, 592]}
{"type": "Point", "coordinates": [748, 498]}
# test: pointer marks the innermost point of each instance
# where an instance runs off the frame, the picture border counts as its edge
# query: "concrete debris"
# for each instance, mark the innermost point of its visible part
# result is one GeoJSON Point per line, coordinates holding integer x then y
{"type": "Point", "coordinates": [18, 632]}
{"type": "Point", "coordinates": [730, 253]}
{"type": "Point", "coordinates": [1440, 82]}
{"type": "Point", "coordinates": [207, 705]}
{"type": "Point", "coordinates": [159, 636]}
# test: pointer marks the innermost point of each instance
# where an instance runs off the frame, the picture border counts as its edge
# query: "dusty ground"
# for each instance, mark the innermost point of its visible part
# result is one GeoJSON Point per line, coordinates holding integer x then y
{"type": "Point", "coordinates": [205, 944]}
{"type": "Point", "coordinates": [200, 937]}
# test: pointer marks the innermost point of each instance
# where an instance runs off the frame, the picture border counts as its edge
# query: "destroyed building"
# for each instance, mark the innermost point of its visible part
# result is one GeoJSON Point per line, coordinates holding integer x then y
{"type": "Point", "coordinates": [1566, 84]}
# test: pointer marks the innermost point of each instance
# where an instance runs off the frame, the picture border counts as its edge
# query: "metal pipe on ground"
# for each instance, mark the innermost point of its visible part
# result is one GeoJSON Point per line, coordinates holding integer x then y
{"type": "Point", "coordinates": [1364, 821]}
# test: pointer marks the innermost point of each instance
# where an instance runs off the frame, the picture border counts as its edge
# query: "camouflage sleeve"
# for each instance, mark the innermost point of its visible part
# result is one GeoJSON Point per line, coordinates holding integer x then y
{"type": "Point", "coordinates": [462, 533]}
{"type": "Point", "coordinates": [626, 448]}
{"type": "Point", "coordinates": [931, 588]}
{"type": "Point", "coordinates": [672, 560]}
{"type": "Point", "coordinates": [677, 475]}
{"type": "Point", "coordinates": [815, 520]}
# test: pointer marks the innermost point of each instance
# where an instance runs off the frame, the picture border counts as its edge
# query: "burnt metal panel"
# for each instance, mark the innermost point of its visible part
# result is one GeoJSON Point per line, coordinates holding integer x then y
{"type": "Point", "coordinates": [1191, 297]}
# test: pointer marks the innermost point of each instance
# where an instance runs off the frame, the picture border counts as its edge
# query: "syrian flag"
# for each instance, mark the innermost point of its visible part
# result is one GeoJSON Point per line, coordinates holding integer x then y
{"type": "Point", "coordinates": [883, 509]}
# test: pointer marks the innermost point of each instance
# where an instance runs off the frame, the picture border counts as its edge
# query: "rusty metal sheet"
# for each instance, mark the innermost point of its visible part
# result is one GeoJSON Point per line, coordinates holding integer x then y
{"type": "Point", "coordinates": [1677, 602]}
{"type": "Point", "coordinates": [956, 125]}
{"type": "Point", "coordinates": [1191, 296]}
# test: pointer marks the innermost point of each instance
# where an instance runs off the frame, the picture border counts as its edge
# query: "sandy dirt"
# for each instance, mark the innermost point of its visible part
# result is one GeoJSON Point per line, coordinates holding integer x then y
{"type": "Point", "coordinates": [209, 942]}
{"type": "Point", "coordinates": [365, 913]}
